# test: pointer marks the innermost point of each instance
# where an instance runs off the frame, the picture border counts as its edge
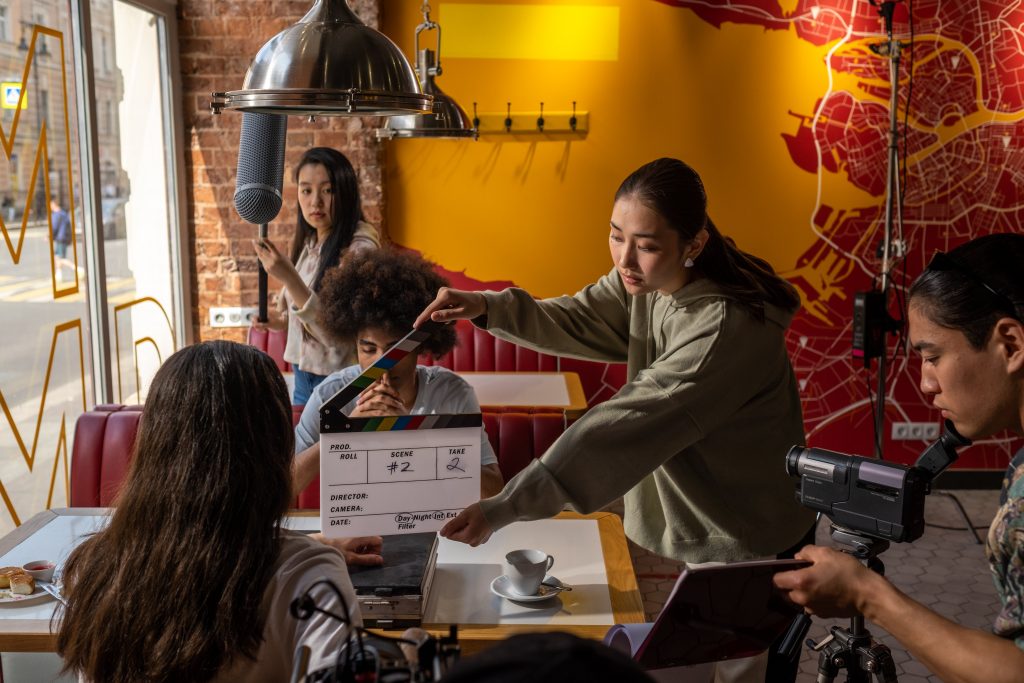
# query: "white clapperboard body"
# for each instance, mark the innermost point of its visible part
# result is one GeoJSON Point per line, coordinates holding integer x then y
{"type": "Point", "coordinates": [399, 474]}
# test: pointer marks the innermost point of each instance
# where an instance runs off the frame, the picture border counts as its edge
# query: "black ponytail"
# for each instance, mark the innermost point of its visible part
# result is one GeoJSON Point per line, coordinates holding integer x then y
{"type": "Point", "coordinates": [676, 192]}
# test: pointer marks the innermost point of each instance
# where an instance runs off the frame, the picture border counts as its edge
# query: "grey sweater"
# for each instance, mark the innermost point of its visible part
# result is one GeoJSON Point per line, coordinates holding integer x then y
{"type": "Point", "coordinates": [696, 440]}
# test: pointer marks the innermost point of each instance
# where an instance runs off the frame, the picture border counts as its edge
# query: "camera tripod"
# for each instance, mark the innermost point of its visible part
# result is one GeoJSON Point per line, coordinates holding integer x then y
{"type": "Point", "coordinates": [850, 648]}
{"type": "Point", "coordinates": [853, 649]}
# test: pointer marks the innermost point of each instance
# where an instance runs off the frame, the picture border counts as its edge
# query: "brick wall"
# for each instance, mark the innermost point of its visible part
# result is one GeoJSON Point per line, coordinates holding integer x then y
{"type": "Point", "coordinates": [218, 39]}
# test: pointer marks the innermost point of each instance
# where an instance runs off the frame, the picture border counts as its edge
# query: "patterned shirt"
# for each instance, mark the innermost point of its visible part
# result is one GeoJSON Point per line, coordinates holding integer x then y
{"type": "Point", "coordinates": [1005, 551]}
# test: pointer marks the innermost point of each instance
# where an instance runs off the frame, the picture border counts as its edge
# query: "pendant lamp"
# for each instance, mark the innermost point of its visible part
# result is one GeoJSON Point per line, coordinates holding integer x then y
{"type": "Point", "coordinates": [328, 64]}
{"type": "Point", "coordinates": [447, 119]}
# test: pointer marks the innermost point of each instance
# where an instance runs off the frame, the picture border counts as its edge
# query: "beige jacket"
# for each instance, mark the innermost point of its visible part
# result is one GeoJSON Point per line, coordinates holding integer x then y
{"type": "Point", "coordinates": [316, 352]}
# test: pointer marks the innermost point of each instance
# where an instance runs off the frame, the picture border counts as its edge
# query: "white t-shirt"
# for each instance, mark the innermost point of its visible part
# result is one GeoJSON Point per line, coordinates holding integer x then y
{"type": "Point", "coordinates": [303, 562]}
{"type": "Point", "coordinates": [439, 392]}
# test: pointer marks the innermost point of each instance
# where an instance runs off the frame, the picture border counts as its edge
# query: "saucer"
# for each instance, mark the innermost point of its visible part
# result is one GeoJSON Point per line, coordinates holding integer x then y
{"type": "Point", "coordinates": [502, 587]}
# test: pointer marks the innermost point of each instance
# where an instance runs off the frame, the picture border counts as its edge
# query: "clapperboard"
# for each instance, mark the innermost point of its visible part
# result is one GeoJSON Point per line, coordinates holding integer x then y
{"type": "Point", "coordinates": [399, 474]}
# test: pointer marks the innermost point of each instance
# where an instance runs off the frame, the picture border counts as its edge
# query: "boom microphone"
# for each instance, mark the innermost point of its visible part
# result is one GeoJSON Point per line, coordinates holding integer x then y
{"type": "Point", "coordinates": [259, 178]}
{"type": "Point", "coordinates": [260, 167]}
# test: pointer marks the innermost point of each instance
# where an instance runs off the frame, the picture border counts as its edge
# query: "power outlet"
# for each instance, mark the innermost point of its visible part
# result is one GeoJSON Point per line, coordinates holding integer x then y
{"type": "Point", "coordinates": [915, 431]}
{"type": "Point", "coordinates": [232, 316]}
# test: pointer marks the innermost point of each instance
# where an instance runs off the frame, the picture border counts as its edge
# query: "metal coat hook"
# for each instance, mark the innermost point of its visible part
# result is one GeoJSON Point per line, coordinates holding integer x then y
{"type": "Point", "coordinates": [508, 118]}
{"type": "Point", "coordinates": [572, 121]}
{"type": "Point", "coordinates": [540, 119]}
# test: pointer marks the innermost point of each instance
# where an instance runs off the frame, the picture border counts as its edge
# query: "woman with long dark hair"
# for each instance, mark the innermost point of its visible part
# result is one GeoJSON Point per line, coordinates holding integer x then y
{"type": "Point", "coordinates": [696, 438]}
{"type": "Point", "coordinates": [192, 578]}
{"type": "Point", "coordinates": [330, 222]}
{"type": "Point", "coordinates": [966, 318]}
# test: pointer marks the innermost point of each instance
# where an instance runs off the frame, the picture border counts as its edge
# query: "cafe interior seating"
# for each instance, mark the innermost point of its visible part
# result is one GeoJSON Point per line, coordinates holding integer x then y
{"type": "Point", "coordinates": [105, 436]}
{"type": "Point", "coordinates": [479, 351]}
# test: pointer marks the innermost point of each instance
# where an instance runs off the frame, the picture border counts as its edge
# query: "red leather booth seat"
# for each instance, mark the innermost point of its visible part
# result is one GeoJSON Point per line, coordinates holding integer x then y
{"type": "Point", "coordinates": [272, 343]}
{"type": "Point", "coordinates": [105, 439]}
{"type": "Point", "coordinates": [101, 452]}
{"type": "Point", "coordinates": [478, 351]}
{"type": "Point", "coordinates": [518, 438]}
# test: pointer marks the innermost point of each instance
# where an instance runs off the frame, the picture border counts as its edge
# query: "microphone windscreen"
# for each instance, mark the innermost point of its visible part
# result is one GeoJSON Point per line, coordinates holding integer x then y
{"type": "Point", "coordinates": [260, 167]}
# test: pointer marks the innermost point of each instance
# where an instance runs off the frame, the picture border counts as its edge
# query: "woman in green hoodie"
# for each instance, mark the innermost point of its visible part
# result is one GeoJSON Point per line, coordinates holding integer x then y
{"type": "Point", "coordinates": [696, 439]}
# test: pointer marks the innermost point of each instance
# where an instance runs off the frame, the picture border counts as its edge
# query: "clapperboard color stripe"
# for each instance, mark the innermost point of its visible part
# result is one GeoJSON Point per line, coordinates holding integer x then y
{"type": "Point", "coordinates": [332, 408]}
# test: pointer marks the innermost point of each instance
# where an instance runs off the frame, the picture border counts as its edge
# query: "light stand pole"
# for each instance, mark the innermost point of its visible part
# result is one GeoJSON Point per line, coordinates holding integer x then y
{"type": "Point", "coordinates": [890, 50]}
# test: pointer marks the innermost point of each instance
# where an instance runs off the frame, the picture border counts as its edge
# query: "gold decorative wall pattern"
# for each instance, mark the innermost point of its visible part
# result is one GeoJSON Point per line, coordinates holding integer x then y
{"type": "Point", "coordinates": [137, 341]}
{"type": "Point", "coordinates": [45, 404]}
{"type": "Point", "coordinates": [42, 157]}
{"type": "Point", "coordinates": [29, 455]}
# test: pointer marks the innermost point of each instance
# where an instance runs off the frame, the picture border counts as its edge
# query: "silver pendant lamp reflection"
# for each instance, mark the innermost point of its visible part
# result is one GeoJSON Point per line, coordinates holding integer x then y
{"type": "Point", "coordinates": [328, 64]}
{"type": "Point", "coordinates": [448, 119]}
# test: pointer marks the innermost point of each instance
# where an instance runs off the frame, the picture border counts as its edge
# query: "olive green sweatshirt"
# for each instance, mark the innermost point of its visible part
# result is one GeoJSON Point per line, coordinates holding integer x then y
{"type": "Point", "coordinates": [696, 440]}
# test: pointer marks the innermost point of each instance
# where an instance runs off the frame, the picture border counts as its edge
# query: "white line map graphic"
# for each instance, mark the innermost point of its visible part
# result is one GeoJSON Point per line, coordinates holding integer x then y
{"type": "Point", "coordinates": [963, 178]}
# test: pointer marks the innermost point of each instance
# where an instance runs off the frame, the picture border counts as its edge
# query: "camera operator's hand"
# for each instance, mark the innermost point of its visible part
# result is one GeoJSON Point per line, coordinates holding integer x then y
{"type": "Point", "coordinates": [469, 527]}
{"type": "Point", "coordinates": [357, 550]}
{"type": "Point", "coordinates": [834, 586]}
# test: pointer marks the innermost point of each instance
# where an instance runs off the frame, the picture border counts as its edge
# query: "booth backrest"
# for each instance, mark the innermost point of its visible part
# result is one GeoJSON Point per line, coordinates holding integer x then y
{"type": "Point", "coordinates": [479, 351]}
{"type": "Point", "coordinates": [105, 438]}
{"type": "Point", "coordinates": [272, 343]}
{"type": "Point", "coordinates": [101, 453]}
{"type": "Point", "coordinates": [519, 438]}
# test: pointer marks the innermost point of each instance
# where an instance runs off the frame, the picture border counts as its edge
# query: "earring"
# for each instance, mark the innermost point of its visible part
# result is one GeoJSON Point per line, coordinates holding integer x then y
{"type": "Point", "coordinates": [688, 263]}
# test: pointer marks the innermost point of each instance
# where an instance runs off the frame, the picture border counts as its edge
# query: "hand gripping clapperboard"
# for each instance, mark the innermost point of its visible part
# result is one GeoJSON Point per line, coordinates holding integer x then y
{"type": "Point", "coordinates": [399, 474]}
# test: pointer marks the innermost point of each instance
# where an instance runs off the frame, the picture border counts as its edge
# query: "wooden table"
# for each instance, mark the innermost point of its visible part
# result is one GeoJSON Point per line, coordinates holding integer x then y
{"type": "Point", "coordinates": [53, 533]}
{"type": "Point", "coordinates": [558, 390]}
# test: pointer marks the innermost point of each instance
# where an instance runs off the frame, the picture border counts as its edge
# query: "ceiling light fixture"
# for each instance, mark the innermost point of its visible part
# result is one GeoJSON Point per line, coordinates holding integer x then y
{"type": "Point", "coordinates": [448, 119]}
{"type": "Point", "coordinates": [328, 64]}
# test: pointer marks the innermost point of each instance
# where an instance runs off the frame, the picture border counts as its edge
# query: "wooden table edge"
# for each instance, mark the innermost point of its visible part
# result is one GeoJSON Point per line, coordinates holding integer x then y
{"type": "Point", "coordinates": [623, 591]}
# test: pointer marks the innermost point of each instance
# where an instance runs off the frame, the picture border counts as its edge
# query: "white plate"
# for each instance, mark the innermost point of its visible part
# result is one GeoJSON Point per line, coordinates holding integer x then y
{"type": "Point", "coordinates": [7, 597]}
{"type": "Point", "coordinates": [502, 587]}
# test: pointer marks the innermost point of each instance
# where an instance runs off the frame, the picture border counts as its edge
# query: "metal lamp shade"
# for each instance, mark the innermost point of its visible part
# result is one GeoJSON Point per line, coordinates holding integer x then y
{"type": "Point", "coordinates": [447, 120]}
{"type": "Point", "coordinates": [328, 64]}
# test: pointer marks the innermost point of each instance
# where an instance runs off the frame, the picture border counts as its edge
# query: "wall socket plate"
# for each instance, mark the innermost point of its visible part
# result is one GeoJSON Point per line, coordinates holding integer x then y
{"type": "Point", "coordinates": [915, 431]}
{"type": "Point", "coordinates": [232, 316]}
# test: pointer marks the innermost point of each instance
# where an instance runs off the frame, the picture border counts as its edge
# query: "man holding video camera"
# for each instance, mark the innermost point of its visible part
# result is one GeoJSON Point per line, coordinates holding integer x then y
{"type": "Point", "coordinates": [965, 316]}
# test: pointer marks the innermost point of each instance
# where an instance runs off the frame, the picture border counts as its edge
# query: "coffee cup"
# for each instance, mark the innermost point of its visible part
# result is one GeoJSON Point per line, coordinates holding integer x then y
{"type": "Point", "coordinates": [526, 569]}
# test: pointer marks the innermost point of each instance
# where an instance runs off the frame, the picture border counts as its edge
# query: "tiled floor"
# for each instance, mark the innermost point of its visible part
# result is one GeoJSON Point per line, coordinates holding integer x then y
{"type": "Point", "coordinates": [944, 569]}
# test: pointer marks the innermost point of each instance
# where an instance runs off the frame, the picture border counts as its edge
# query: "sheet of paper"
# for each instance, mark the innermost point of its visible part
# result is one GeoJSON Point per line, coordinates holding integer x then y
{"type": "Point", "coordinates": [398, 480]}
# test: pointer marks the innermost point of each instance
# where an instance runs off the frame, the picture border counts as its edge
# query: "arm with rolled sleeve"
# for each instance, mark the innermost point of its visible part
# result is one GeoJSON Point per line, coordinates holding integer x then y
{"type": "Point", "coordinates": [714, 366]}
{"type": "Point", "coordinates": [592, 325]}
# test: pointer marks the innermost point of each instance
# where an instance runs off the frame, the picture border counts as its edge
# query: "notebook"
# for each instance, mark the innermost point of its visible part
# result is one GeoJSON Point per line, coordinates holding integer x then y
{"type": "Point", "coordinates": [713, 613]}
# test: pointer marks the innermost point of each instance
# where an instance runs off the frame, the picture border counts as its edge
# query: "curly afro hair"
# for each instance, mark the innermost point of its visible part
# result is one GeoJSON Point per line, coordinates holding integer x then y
{"type": "Point", "coordinates": [383, 288]}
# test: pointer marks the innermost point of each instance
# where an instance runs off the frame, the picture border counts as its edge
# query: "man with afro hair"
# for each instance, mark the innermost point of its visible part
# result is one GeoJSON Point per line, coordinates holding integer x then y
{"type": "Point", "coordinates": [373, 298]}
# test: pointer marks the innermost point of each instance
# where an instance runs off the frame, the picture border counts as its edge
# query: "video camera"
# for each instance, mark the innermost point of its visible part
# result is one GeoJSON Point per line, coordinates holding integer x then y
{"type": "Point", "coordinates": [879, 499]}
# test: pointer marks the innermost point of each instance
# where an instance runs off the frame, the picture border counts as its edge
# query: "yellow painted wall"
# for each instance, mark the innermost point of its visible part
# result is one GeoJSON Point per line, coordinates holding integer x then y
{"type": "Point", "coordinates": [535, 211]}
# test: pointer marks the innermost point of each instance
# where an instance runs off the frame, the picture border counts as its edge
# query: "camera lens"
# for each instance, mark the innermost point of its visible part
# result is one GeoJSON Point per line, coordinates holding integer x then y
{"type": "Point", "coordinates": [793, 460]}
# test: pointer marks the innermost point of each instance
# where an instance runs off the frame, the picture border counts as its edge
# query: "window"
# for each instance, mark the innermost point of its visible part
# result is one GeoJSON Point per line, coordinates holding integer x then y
{"type": "Point", "coordinates": [47, 374]}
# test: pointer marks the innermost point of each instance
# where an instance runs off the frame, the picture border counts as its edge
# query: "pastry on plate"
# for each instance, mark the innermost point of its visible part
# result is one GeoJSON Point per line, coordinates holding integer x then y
{"type": "Point", "coordinates": [6, 573]}
{"type": "Point", "coordinates": [22, 584]}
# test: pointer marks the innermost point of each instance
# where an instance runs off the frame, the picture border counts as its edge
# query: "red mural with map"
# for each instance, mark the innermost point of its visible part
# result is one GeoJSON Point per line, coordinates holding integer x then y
{"type": "Point", "coordinates": [963, 173]}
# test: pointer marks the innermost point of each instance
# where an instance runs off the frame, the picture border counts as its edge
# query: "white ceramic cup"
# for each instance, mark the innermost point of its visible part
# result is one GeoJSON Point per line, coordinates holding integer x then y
{"type": "Point", "coordinates": [526, 569]}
